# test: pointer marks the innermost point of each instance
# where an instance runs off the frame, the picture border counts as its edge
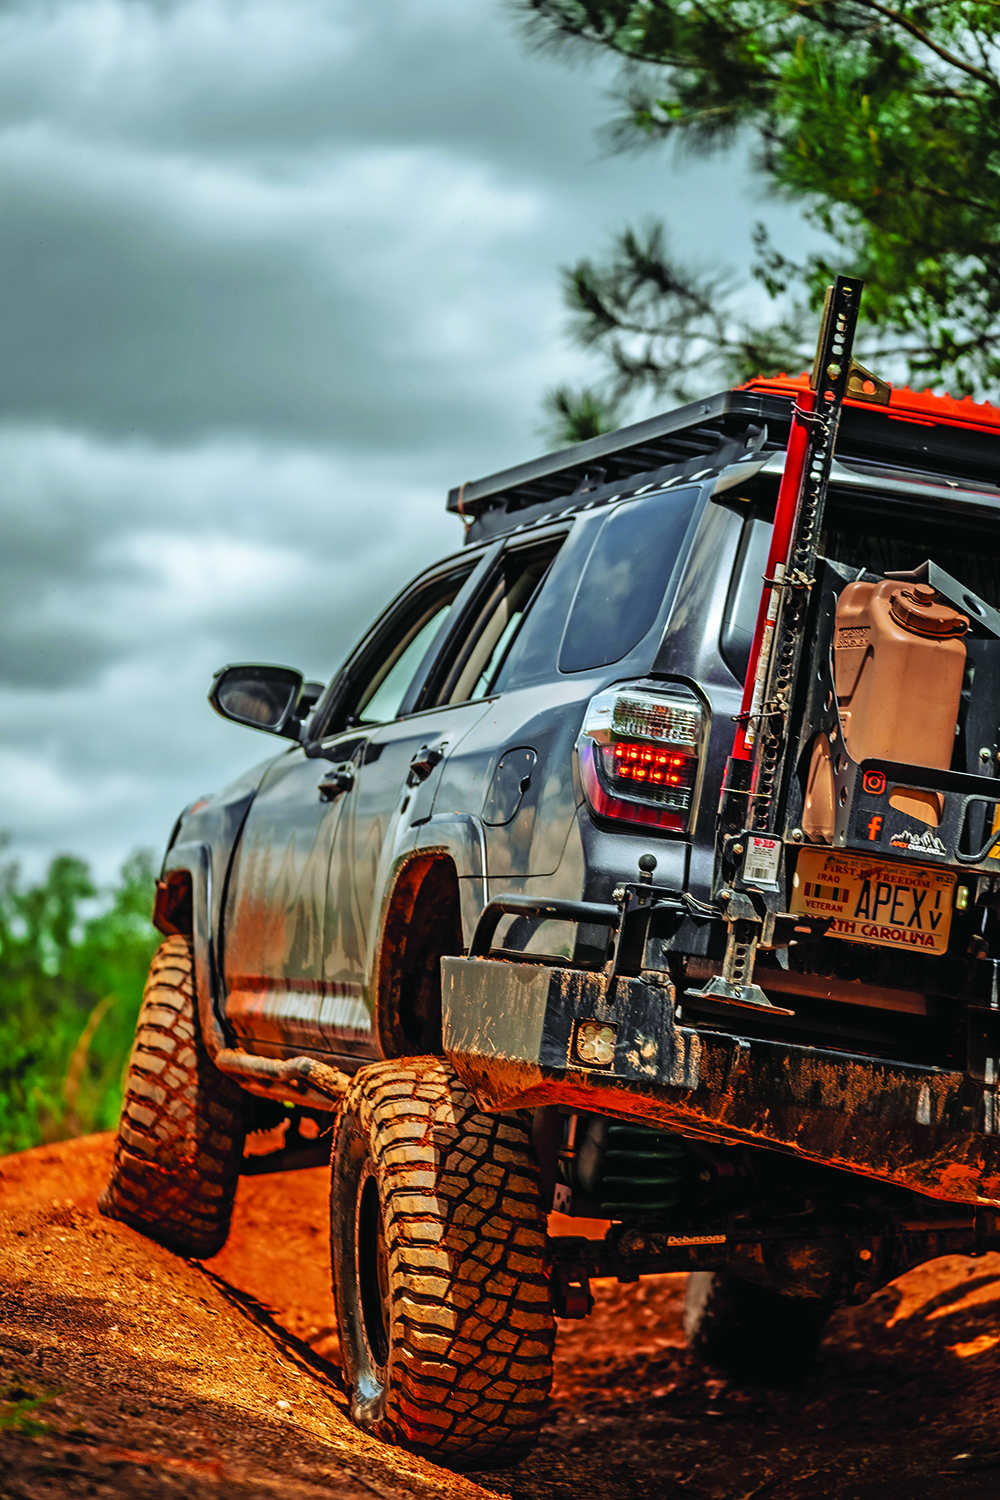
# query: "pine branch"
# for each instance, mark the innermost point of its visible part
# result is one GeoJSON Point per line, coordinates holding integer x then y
{"type": "Point", "coordinates": [918, 32]}
{"type": "Point", "coordinates": [576, 415]}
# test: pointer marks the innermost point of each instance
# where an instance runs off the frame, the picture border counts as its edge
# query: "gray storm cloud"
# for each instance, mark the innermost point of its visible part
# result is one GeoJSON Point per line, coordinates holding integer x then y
{"type": "Point", "coordinates": [273, 276]}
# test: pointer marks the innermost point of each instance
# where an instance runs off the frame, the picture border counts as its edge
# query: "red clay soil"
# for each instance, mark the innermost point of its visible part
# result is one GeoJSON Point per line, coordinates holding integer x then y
{"type": "Point", "coordinates": [125, 1371]}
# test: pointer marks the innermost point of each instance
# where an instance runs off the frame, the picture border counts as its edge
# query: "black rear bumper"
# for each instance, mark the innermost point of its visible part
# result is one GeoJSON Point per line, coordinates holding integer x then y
{"type": "Point", "coordinates": [513, 1032]}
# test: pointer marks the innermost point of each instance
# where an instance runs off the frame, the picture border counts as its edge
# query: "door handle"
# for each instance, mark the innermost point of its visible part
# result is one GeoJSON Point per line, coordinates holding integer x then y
{"type": "Point", "coordinates": [423, 764]}
{"type": "Point", "coordinates": [340, 779]}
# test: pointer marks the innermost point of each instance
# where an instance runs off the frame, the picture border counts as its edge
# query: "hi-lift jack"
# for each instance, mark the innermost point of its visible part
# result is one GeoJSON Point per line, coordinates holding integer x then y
{"type": "Point", "coordinates": [749, 843]}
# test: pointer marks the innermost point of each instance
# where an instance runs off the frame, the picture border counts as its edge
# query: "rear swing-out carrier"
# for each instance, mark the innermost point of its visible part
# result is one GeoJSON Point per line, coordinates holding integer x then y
{"type": "Point", "coordinates": [823, 829]}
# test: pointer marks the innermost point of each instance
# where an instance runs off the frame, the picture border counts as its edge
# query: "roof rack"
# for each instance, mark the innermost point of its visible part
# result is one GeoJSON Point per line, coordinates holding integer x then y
{"type": "Point", "coordinates": [915, 432]}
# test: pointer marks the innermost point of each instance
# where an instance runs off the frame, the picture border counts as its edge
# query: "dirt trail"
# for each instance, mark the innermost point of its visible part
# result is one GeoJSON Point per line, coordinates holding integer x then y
{"type": "Point", "coordinates": [157, 1377]}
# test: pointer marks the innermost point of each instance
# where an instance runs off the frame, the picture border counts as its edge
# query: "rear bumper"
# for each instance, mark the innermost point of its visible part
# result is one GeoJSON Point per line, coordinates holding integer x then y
{"type": "Point", "coordinates": [511, 1032]}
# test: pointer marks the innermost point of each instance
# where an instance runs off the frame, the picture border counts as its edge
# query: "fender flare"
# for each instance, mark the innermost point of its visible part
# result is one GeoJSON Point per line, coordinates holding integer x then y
{"type": "Point", "coordinates": [462, 837]}
{"type": "Point", "coordinates": [196, 859]}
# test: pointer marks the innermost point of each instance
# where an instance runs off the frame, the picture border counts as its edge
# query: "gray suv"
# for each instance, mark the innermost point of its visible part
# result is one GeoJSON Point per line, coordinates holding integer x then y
{"type": "Point", "coordinates": [462, 937]}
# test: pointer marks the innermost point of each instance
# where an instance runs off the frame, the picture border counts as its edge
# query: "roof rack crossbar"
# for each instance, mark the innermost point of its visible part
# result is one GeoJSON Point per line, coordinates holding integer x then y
{"type": "Point", "coordinates": [631, 449]}
{"type": "Point", "coordinates": [494, 519]}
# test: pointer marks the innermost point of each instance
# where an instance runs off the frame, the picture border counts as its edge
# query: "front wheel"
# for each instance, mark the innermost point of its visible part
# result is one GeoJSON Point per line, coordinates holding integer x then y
{"type": "Point", "coordinates": [751, 1331]}
{"type": "Point", "coordinates": [180, 1137]}
{"type": "Point", "coordinates": [440, 1269]}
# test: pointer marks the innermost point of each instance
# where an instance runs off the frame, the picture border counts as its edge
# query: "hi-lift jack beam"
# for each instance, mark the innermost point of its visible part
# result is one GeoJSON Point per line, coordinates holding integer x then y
{"type": "Point", "coordinates": [749, 845]}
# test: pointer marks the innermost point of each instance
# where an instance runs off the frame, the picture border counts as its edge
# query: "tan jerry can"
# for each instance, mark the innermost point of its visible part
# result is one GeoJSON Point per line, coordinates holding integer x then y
{"type": "Point", "coordinates": [898, 664]}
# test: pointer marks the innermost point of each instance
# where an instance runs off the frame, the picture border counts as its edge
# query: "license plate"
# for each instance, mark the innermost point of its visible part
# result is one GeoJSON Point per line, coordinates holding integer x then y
{"type": "Point", "coordinates": [876, 901]}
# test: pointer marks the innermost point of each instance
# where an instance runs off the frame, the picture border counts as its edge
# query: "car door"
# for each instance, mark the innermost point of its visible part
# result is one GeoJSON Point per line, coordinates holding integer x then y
{"type": "Point", "coordinates": [275, 907]}
{"type": "Point", "coordinates": [400, 769]}
{"type": "Point", "coordinates": [282, 994]}
{"type": "Point", "coordinates": [383, 684]}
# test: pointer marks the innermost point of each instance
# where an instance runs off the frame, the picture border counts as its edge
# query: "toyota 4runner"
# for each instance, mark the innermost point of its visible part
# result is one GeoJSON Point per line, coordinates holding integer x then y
{"type": "Point", "coordinates": [501, 934]}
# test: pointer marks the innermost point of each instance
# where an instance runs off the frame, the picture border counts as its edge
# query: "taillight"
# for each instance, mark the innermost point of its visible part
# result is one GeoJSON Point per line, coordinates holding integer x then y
{"type": "Point", "coordinates": [639, 750]}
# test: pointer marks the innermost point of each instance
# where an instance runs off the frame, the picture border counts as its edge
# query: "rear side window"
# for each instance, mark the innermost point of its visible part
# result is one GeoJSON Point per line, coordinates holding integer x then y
{"type": "Point", "coordinates": [743, 603]}
{"type": "Point", "coordinates": [624, 579]}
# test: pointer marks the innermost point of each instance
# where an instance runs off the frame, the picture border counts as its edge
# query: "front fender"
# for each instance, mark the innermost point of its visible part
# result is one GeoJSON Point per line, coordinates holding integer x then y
{"type": "Point", "coordinates": [195, 859]}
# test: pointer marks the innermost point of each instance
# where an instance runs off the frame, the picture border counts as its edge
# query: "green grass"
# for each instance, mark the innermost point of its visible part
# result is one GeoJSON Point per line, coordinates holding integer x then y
{"type": "Point", "coordinates": [16, 1407]}
{"type": "Point", "coordinates": [73, 962]}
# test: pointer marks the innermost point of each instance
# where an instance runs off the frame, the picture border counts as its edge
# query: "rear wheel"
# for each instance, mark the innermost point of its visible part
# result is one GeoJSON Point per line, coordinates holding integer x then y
{"type": "Point", "coordinates": [753, 1332]}
{"type": "Point", "coordinates": [440, 1269]}
{"type": "Point", "coordinates": [180, 1137]}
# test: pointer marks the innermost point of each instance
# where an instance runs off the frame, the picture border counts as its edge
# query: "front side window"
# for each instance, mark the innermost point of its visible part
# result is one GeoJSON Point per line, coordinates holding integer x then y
{"type": "Point", "coordinates": [388, 668]}
{"type": "Point", "coordinates": [385, 692]}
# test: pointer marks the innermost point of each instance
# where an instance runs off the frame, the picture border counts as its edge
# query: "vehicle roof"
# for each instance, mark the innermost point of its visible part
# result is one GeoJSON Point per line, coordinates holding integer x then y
{"type": "Point", "coordinates": [915, 433]}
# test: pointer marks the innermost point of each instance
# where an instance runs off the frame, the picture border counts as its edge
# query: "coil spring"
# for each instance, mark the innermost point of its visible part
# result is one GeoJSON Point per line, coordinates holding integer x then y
{"type": "Point", "coordinates": [641, 1172]}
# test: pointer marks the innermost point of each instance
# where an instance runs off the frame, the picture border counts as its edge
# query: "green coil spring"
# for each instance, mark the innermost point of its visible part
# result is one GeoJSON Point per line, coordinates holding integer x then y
{"type": "Point", "coordinates": [641, 1171]}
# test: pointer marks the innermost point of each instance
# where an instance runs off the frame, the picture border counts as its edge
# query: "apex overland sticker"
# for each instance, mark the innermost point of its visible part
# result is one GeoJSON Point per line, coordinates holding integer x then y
{"type": "Point", "coordinates": [919, 843]}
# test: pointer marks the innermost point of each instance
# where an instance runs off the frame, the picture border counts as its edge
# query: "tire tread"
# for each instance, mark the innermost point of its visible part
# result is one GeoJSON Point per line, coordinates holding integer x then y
{"type": "Point", "coordinates": [180, 1137]}
{"type": "Point", "coordinates": [470, 1357]}
{"type": "Point", "coordinates": [751, 1331]}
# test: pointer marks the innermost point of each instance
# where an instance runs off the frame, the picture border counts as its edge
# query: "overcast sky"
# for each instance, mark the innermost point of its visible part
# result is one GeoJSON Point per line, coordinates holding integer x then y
{"type": "Point", "coordinates": [273, 276]}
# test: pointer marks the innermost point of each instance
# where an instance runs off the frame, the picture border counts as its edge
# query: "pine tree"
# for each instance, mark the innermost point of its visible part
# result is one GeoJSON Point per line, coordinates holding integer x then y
{"type": "Point", "coordinates": [881, 120]}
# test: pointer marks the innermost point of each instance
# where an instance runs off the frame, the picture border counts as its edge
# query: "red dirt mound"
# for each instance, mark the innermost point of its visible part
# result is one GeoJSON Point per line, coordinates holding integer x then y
{"type": "Point", "coordinates": [154, 1376]}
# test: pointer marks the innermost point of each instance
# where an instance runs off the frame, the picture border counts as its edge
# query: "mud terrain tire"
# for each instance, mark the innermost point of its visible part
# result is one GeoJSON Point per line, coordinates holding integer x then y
{"type": "Point", "coordinates": [180, 1137]}
{"type": "Point", "coordinates": [440, 1267]}
{"type": "Point", "coordinates": [754, 1333]}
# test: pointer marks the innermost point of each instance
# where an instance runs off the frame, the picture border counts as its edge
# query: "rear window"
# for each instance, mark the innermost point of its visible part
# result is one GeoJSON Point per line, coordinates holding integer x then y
{"type": "Point", "coordinates": [880, 536]}
{"type": "Point", "coordinates": [624, 579]}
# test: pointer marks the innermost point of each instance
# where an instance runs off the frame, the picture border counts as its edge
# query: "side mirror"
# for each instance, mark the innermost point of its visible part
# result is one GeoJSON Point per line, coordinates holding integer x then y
{"type": "Point", "coordinates": [261, 697]}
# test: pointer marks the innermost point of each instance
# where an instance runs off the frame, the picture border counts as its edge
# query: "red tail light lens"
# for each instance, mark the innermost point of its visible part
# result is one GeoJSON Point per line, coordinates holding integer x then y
{"type": "Point", "coordinates": [639, 750]}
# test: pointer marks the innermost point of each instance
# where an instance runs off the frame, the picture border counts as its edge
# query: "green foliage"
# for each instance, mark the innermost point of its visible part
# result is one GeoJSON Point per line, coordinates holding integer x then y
{"type": "Point", "coordinates": [16, 1406]}
{"type": "Point", "coordinates": [575, 415]}
{"type": "Point", "coordinates": [882, 120]}
{"type": "Point", "coordinates": [670, 329]}
{"type": "Point", "coordinates": [70, 988]}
